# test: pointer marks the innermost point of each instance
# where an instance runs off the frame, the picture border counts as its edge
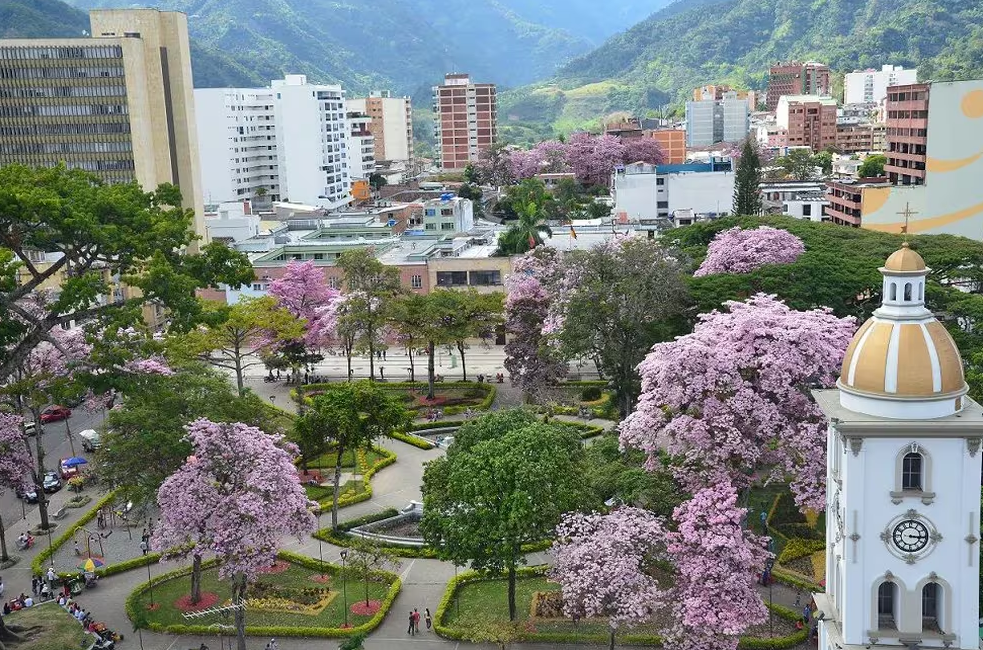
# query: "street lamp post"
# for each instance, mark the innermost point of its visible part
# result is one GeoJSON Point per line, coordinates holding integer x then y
{"type": "Point", "coordinates": [344, 583]}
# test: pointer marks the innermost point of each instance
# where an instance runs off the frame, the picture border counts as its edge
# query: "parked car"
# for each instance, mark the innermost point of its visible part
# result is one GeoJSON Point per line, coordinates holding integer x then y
{"type": "Point", "coordinates": [52, 482]}
{"type": "Point", "coordinates": [54, 413]}
{"type": "Point", "coordinates": [28, 493]}
{"type": "Point", "coordinates": [67, 471]}
{"type": "Point", "coordinates": [90, 440]}
{"type": "Point", "coordinates": [30, 428]}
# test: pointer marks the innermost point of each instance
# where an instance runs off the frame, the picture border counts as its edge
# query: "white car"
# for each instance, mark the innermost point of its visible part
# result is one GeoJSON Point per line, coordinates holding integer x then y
{"type": "Point", "coordinates": [90, 440]}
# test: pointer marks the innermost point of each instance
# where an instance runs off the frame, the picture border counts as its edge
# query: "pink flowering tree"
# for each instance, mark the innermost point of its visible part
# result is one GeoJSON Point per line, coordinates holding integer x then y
{"type": "Point", "coordinates": [717, 563]}
{"type": "Point", "coordinates": [741, 251]}
{"type": "Point", "coordinates": [237, 496]}
{"type": "Point", "coordinates": [15, 463]}
{"type": "Point", "coordinates": [732, 398]}
{"type": "Point", "coordinates": [605, 565]}
{"type": "Point", "coordinates": [531, 364]}
{"type": "Point", "coordinates": [646, 150]}
{"type": "Point", "coordinates": [304, 292]}
{"type": "Point", "coordinates": [593, 158]}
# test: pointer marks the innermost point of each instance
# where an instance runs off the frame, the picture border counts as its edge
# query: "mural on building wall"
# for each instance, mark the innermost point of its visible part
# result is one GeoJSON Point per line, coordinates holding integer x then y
{"type": "Point", "coordinates": [951, 201]}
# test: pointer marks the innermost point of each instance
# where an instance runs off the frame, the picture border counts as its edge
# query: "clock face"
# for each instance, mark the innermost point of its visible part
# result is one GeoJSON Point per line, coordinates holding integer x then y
{"type": "Point", "coordinates": [910, 535]}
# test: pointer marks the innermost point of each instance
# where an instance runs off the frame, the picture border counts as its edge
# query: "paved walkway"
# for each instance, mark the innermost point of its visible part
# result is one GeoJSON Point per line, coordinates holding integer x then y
{"type": "Point", "coordinates": [424, 580]}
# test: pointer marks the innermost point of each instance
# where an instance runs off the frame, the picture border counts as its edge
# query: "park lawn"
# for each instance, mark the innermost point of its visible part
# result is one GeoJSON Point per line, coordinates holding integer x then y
{"type": "Point", "coordinates": [59, 630]}
{"type": "Point", "coordinates": [327, 460]}
{"type": "Point", "coordinates": [166, 593]}
{"type": "Point", "coordinates": [321, 493]}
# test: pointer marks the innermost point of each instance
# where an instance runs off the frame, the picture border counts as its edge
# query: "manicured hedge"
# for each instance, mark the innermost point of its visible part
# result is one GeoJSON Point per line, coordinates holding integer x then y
{"type": "Point", "coordinates": [746, 643]}
{"type": "Point", "coordinates": [366, 492]}
{"type": "Point", "coordinates": [271, 631]}
{"type": "Point", "coordinates": [798, 547]}
{"type": "Point", "coordinates": [417, 441]}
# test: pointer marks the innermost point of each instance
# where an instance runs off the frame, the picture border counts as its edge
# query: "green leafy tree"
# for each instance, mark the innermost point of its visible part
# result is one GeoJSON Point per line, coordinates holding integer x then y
{"type": "Point", "coordinates": [479, 315]}
{"type": "Point", "coordinates": [534, 206]}
{"type": "Point", "coordinates": [482, 505]}
{"type": "Point", "coordinates": [824, 160]}
{"type": "Point", "coordinates": [598, 210]}
{"type": "Point", "coordinates": [351, 416]}
{"type": "Point", "coordinates": [144, 440]}
{"type": "Point", "coordinates": [370, 289]}
{"type": "Point", "coordinates": [798, 164]}
{"type": "Point", "coordinates": [435, 320]}
{"type": "Point", "coordinates": [621, 299]}
{"type": "Point", "coordinates": [747, 180]}
{"type": "Point", "coordinates": [872, 166]}
{"type": "Point", "coordinates": [377, 181]}
{"type": "Point", "coordinates": [620, 475]}
{"type": "Point", "coordinates": [474, 193]}
{"type": "Point", "coordinates": [97, 234]}
{"type": "Point", "coordinates": [471, 176]}
{"type": "Point", "coordinates": [366, 559]}
{"type": "Point", "coordinates": [238, 336]}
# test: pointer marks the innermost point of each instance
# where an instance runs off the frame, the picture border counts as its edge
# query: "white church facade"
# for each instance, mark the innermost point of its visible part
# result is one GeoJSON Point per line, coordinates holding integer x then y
{"type": "Point", "coordinates": [903, 482]}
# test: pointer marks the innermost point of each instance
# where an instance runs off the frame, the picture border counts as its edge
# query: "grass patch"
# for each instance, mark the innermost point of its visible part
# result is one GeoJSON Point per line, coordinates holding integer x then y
{"type": "Point", "coordinates": [321, 493]}
{"type": "Point", "coordinates": [59, 631]}
{"type": "Point", "coordinates": [296, 577]}
{"type": "Point", "coordinates": [348, 459]}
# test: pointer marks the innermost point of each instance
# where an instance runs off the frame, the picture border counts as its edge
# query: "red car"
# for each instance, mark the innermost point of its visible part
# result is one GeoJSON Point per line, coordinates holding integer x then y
{"type": "Point", "coordinates": [54, 414]}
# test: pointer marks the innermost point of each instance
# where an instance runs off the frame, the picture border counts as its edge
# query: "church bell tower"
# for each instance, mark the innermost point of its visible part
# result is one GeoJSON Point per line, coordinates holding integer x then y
{"type": "Point", "coordinates": [903, 481]}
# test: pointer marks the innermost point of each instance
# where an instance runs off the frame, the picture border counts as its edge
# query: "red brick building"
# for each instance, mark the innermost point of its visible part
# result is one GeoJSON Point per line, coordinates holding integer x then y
{"type": "Point", "coordinates": [466, 118]}
{"type": "Point", "coordinates": [809, 120]}
{"type": "Point", "coordinates": [796, 78]}
{"type": "Point", "coordinates": [907, 133]}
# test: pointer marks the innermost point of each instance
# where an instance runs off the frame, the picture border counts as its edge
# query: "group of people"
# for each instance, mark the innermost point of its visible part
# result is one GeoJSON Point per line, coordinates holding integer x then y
{"type": "Point", "coordinates": [415, 621]}
{"type": "Point", "coordinates": [25, 541]}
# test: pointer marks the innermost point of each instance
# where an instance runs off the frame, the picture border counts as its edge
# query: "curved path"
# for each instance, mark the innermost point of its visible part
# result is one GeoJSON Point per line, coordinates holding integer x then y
{"type": "Point", "coordinates": [424, 580]}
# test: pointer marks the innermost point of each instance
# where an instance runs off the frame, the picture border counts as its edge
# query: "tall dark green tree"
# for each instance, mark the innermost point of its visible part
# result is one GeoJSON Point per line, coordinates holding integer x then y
{"type": "Point", "coordinates": [747, 180]}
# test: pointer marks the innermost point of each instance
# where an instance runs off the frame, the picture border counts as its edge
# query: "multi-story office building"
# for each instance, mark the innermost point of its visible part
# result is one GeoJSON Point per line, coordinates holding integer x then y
{"type": "Point", "coordinates": [810, 121]}
{"type": "Point", "coordinates": [711, 121]}
{"type": "Point", "coordinates": [391, 126]}
{"type": "Point", "coordinates": [673, 143]}
{"type": "Point", "coordinates": [237, 142]}
{"type": "Point", "coordinates": [853, 138]}
{"type": "Point", "coordinates": [361, 148]}
{"type": "Point", "coordinates": [119, 104]}
{"type": "Point", "coordinates": [796, 78]}
{"type": "Point", "coordinates": [312, 134]}
{"type": "Point", "coordinates": [870, 86]}
{"type": "Point", "coordinates": [934, 133]}
{"type": "Point", "coordinates": [466, 117]}
{"type": "Point", "coordinates": [719, 91]}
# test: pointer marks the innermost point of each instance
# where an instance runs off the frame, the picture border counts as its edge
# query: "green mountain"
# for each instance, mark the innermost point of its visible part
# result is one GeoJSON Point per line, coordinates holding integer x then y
{"type": "Point", "coordinates": [55, 19]}
{"type": "Point", "coordinates": [405, 45]}
{"type": "Point", "coordinates": [694, 42]}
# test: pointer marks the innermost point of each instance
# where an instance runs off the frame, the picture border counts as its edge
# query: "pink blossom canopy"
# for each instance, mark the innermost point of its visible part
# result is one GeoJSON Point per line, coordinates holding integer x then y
{"type": "Point", "coordinates": [732, 397]}
{"type": "Point", "coordinates": [741, 251]}
{"type": "Point", "coordinates": [304, 292]}
{"type": "Point", "coordinates": [236, 496]}
{"type": "Point", "coordinates": [15, 459]}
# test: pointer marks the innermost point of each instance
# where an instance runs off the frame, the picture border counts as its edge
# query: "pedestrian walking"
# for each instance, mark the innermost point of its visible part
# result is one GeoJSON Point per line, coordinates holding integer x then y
{"type": "Point", "coordinates": [34, 584]}
{"type": "Point", "coordinates": [52, 576]}
{"type": "Point", "coordinates": [416, 620]}
{"type": "Point", "coordinates": [806, 615]}
{"type": "Point", "coordinates": [383, 355]}
{"type": "Point", "coordinates": [411, 629]}
{"type": "Point", "coordinates": [428, 618]}
{"type": "Point", "coordinates": [143, 547]}
{"type": "Point", "coordinates": [382, 373]}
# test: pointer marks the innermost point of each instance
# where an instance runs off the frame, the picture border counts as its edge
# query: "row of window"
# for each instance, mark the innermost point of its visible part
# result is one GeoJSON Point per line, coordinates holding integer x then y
{"type": "Point", "coordinates": [907, 115]}
{"type": "Point", "coordinates": [88, 52]}
{"type": "Point", "coordinates": [889, 606]}
{"type": "Point", "coordinates": [469, 278]}
{"type": "Point", "coordinates": [114, 90]}
{"type": "Point", "coordinates": [64, 110]}
{"type": "Point", "coordinates": [66, 147]}
{"type": "Point", "coordinates": [94, 128]}
{"type": "Point", "coordinates": [61, 72]}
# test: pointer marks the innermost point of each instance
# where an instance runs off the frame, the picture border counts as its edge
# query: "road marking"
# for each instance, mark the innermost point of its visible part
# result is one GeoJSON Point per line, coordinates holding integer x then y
{"type": "Point", "coordinates": [406, 572]}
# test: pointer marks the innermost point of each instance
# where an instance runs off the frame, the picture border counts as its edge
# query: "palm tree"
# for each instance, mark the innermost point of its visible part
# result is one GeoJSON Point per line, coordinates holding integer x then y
{"type": "Point", "coordinates": [527, 232]}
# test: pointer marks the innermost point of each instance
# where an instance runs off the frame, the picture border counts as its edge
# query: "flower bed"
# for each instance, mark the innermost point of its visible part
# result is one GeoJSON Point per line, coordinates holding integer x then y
{"type": "Point", "coordinates": [352, 492]}
{"type": "Point", "coordinates": [278, 610]}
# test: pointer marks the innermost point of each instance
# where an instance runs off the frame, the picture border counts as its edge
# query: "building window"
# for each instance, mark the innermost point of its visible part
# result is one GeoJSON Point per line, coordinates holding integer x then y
{"type": "Point", "coordinates": [486, 278]}
{"type": "Point", "coordinates": [911, 471]}
{"type": "Point", "coordinates": [430, 226]}
{"type": "Point", "coordinates": [807, 210]}
{"type": "Point", "coordinates": [447, 226]}
{"type": "Point", "coordinates": [660, 181]}
{"type": "Point", "coordinates": [663, 204]}
{"type": "Point", "coordinates": [907, 292]}
{"type": "Point", "coordinates": [887, 601]}
{"type": "Point", "coordinates": [931, 599]}
{"type": "Point", "coordinates": [416, 282]}
{"type": "Point", "coordinates": [452, 278]}
{"type": "Point", "coordinates": [334, 283]}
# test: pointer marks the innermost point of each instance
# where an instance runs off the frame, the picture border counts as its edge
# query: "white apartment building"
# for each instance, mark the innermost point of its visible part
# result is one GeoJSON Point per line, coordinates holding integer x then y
{"type": "Point", "coordinates": [870, 86]}
{"type": "Point", "coordinates": [312, 134]}
{"type": "Point", "coordinates": [448, 215]}
{"type": "Point", "coordinates": [361, 147]}
{"type": "Point", "coordinates": [644, 192]}
{"type": "Point", "coordinates": [392, 123]}
{"type": "Point", "coordinates": [711, 121]}
{"type": "Point", "coordinates": [237, 143]}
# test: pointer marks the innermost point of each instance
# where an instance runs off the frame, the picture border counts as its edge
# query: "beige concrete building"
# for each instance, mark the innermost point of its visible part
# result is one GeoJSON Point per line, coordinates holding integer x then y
{"type": "Point", "coordinates": [391, 126]}
{"type": "Point", "coordinates": [119, 103]}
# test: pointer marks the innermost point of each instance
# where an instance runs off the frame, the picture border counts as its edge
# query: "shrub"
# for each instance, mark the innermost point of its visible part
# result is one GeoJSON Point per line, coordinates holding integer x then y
{"type": "Point", "coordinates": [798, 547]}
{"type": "Point", "coordinates": [417, 441]}
{"type": "Point", "coordinates": [547, 604]}
{"type": "Point", "coordinates": [590, 393]}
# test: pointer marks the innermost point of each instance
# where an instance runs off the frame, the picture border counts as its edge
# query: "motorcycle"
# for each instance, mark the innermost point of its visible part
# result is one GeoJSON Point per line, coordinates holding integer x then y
{"type": "Point", "coordinates": [24, 544]}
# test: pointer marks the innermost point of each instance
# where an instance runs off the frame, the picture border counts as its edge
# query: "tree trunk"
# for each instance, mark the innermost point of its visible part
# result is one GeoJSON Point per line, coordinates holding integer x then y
{"type": "Point", "coordinates": [409, 351]}
{"type": "Point", "coordinates": [68, 434]}
{"type": "Point", "coordinates": [430, 370]}
{"type": "Point", "coordinates": [366, 588]}
{"type": "Point", "coordinates": [512, 591]}
{"type": "Point", "coordinates": [348, 358]}
{"type": "Point", "coordinates": [611, 640]}
{"type": "Point", "coordinates": [239, 379]}
{"type": "Point", "coordinates": [337, 488]}
{"type": "Point", "coordinates": [371, 358]}
{"type": "Point", "coordinates": [464, 368]}
{"type": "Point", "coordinates": [4, 556]}
{"type": "Point", "coordinates": [195, 579]}
{"type": "Point", "coordinates": [239, 598]}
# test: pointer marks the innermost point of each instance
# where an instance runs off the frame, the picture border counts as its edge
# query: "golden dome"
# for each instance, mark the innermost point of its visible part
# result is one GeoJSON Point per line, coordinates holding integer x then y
{"type": "Point", "coordinates": [905, 259]}
{"type": "Point", "coordinates": [903, 359]}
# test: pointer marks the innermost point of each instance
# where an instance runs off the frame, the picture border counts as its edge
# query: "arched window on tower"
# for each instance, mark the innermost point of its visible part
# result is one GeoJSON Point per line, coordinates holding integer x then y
{"type": "Point", "coordinates": [921, 291]}
{"type": "Point", "coordinates": [894, 291]}
{"type": "Point", "coordinates": [912, 471]}
{"type": "Point", "coordinates": [907, 292]}
{"type": "Point", "coordinates": [931, 606]}
{"type": "Point", "coordinates": [887, 604]}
